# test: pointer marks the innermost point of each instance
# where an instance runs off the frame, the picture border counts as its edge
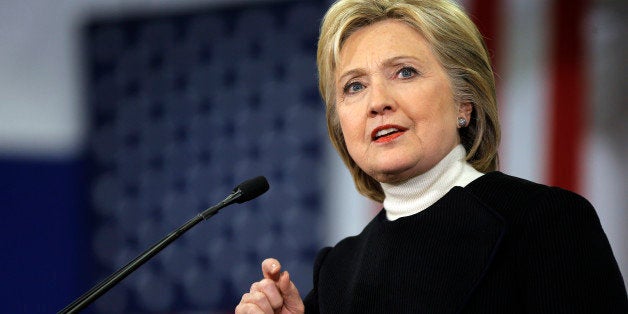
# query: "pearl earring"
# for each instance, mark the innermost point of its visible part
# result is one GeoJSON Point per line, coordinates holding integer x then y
{"type": "Point", "coordinates": [462, 122]}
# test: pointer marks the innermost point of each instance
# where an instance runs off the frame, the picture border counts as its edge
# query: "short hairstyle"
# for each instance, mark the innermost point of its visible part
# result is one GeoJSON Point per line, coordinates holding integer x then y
{"type": "Point", "coordinates": [457, 44]}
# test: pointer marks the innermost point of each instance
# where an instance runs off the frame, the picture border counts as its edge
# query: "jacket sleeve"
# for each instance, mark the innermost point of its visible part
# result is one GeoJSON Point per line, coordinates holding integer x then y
{"type": "Point", "coordinates": [569, 263]}
{"type": "Point", "coordinates": [311, 300]}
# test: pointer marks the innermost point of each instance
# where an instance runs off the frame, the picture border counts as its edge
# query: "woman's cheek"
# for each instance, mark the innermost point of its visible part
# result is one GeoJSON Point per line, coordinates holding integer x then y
{"type": "Point", "coordinates": [353, 131]}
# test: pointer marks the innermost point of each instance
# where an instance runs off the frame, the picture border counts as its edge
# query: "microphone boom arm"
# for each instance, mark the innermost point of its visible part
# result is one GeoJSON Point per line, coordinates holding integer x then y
{"type": "Point", "coordinates": [95, 292]}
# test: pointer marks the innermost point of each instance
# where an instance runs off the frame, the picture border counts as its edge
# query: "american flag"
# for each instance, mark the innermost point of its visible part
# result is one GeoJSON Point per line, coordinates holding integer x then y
{"type": "Point", "coordinates": [560, 70]}
{"type": "Point", "coordinates": [561, 79]}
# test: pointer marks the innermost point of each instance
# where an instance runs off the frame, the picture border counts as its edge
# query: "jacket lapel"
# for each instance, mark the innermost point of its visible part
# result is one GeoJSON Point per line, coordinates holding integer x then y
{"type": "Point", "coordinates": [452, 246]}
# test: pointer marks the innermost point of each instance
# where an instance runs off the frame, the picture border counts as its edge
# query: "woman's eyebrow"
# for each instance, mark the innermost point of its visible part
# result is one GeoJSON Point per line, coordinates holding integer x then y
{"type": "Point", "coordinates": [386, 63]}
{"type": "Point", "coordinates": [351, 73]}
{"type": "Point", "coordinates": [398, 59]}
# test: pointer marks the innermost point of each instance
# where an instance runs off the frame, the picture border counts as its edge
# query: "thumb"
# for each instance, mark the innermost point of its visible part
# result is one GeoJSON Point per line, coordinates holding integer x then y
{"type": "Point", "coordinates": [291, 298]}
{"type": "Point", "coordinates": [271, 269]}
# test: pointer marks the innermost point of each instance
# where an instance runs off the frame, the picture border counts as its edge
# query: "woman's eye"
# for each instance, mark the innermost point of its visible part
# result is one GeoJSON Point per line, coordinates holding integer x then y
{"type": "Point", "coordinates": [354, 87]}
{"type": "Point", "coordinates": [406, 72]}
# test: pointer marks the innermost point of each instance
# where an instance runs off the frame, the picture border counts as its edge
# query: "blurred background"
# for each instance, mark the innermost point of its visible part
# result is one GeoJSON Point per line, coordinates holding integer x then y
{"type": "Point", "coordinates": [121, 120]}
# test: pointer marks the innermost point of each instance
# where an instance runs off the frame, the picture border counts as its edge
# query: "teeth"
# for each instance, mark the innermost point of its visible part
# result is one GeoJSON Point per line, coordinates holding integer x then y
{"type": "Point", "coordinates": [383, 132]}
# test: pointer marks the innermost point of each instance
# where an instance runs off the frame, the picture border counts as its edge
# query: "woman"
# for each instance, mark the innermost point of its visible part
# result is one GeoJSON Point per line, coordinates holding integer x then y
{"type": "Point", "coordinates": [411, 109]}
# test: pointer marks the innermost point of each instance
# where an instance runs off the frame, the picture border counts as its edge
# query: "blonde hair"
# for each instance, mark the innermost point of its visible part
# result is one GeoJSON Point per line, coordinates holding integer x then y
{"type": "Point", "coordinates": [459, 47]}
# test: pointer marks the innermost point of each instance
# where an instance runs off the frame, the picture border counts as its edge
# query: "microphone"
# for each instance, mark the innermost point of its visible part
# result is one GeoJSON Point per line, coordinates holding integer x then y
{"type": "Point", "coordinates": [244, 192]}
{"type": "Point", "coordinates": [251, 189]}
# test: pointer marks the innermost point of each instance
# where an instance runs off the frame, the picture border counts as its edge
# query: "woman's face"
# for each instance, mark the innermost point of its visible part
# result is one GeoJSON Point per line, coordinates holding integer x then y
{"type": "Point", "coordinates": [394, 102]}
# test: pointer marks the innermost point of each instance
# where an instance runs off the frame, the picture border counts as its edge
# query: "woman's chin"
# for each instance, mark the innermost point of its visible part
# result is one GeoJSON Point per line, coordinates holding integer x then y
{"type": "Point", "coordinates": [393, 175]}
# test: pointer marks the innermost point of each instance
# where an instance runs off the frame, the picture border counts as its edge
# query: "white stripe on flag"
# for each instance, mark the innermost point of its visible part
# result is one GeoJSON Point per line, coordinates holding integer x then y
{"type": "Point", "coordinates": [347, 212]}
{"type": "Point", "coordinates": [523, 94]}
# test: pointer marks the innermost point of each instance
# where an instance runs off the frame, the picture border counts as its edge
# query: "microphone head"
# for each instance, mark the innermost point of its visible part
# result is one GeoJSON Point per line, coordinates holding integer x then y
{"type": "Point", "coordinates": [251, 189]}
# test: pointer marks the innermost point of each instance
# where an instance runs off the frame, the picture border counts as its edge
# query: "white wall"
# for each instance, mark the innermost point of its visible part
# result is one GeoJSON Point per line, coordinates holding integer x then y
{"type": "Point", "coordinates": [41, 111]}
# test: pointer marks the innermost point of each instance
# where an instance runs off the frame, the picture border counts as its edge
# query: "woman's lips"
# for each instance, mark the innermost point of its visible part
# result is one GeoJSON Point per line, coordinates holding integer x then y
{"type": "Point", "coordinates": [387, 133]}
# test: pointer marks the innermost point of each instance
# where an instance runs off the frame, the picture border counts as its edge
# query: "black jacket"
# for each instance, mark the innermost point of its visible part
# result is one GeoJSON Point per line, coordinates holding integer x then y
{"type": "Point", "coordinates": [499, 245]}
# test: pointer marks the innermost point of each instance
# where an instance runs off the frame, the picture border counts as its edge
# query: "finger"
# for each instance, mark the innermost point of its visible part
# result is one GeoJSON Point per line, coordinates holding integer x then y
{"type": "Point", "coordinates": [291, 298]}
{"type": "Point", "coordinates": [247, 308]}
{"type": "Point", "coordinates": [285, 285]}
{"type": "Point", "coordinates": [254, 287]}
{"type": "Point", "coordinates": [259, 300]}
{"type": "Point", "coordinates": [270, 289]}
{"type": "Point", "coordinates": [271, 268]}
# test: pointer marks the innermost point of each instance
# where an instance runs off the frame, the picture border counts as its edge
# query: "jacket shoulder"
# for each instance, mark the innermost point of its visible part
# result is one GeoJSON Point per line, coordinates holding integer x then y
{"type": "Point", "coordinates": [512, 196]}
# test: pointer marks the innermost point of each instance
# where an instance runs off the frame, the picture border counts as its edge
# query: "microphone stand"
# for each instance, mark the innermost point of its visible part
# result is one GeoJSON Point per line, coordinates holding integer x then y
{"type": "Point", "coordinates": [90, 296]}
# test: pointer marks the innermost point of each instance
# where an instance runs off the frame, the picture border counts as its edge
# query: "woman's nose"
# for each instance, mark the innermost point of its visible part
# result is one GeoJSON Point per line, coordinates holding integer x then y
{"type": "Point", "coordinates": [381, 101]}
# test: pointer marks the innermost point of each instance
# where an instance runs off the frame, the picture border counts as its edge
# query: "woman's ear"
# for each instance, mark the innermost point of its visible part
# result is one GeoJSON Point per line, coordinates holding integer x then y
{"type": "Point", "coordinates": [464, 111]}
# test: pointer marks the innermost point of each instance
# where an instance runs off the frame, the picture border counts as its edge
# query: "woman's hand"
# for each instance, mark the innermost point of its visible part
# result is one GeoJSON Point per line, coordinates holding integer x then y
{"type": "Point", "coordinates": [273, 294]}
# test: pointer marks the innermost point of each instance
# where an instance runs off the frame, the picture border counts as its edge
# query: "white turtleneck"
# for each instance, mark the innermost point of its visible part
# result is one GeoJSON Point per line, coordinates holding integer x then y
{"type": "Point", "coordinates": [416, 194]}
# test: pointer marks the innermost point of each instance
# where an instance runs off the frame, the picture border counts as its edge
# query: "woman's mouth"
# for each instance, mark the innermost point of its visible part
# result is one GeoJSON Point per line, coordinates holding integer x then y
{"type": "Point", "coordinates": [386, 133]}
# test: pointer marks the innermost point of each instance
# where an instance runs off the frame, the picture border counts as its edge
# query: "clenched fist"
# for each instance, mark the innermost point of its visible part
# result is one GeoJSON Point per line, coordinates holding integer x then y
{"type": "Point", "coordinates": [273, 294]}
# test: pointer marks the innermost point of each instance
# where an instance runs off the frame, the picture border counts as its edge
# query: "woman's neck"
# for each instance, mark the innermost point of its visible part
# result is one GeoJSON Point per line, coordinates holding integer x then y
{"type": "Point", "coordinates": [418, 193]}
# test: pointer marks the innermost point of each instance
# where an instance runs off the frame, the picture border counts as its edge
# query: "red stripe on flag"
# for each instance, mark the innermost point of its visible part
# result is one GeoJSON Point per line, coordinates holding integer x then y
{"type": "Point", "coordinates": [567, 93]}
{"type": "Point", "coordinates": [485, 14]}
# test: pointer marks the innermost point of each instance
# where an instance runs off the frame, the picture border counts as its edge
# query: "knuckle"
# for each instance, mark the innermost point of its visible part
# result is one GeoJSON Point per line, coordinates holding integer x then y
{"type": "Point", "coordinates": [247, 305]}
{"type": "Point", "coordinates": [257, 297]}
{"type": "Point", "coordinates": [244, 296]}
{"type": "Point", "coordinates": [244, 308]}
{"type": "Point", "coordinates": [266, 281]}
{"type": "Point", "coordinates": [241, 308]}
